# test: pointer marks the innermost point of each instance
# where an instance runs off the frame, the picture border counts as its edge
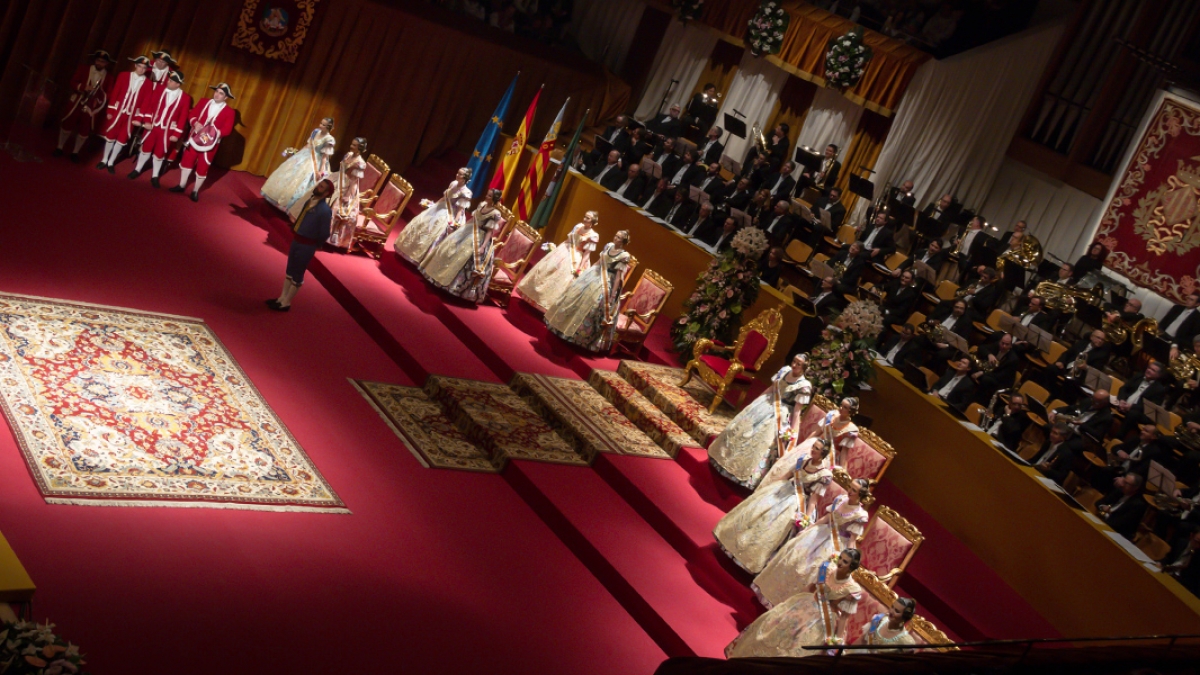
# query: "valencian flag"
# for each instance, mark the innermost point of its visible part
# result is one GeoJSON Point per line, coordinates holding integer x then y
{"type": "Point", "coordinates": [508, 163]}
{"type": "Point", "coordinates": [542, 215]}
{"type": "Point", "coordinates": [537, 168]}
{"type": "Point", "coordinates": [481, 159]}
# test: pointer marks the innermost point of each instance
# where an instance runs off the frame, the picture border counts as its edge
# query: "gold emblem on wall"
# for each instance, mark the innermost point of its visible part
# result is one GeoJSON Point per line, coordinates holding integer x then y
{"type": "Point", "coordinates": [1166, 218]}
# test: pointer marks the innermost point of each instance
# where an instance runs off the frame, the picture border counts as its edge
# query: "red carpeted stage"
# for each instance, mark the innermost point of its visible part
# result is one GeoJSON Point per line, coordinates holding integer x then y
{"type": "Point", "coordinates": [546, 568]}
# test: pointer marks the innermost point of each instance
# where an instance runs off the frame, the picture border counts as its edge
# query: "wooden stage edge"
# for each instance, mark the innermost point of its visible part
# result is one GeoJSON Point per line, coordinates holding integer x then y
{"type": "Point", "coordinates": [1061, 560]}
{"type": "Point", "coordinates": [659, 248]}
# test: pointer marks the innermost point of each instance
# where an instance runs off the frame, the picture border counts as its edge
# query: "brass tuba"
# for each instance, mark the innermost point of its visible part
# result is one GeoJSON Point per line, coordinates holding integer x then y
{"type": "Point", "coordinates": [1117, 332]}
{"type": "Point", "coordinates": [1060, 298]}
{"type": "Point", "coordinates": [1028, 256]}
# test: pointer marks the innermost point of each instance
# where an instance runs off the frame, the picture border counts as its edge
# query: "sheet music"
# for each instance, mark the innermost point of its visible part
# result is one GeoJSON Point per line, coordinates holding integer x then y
{"type": "Point", "coordinates": [1129, 547]}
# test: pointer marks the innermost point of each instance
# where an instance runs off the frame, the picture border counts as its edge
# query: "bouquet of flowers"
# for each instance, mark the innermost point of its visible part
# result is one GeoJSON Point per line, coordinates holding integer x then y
{"type": "Point", "coordinates": [688, 9]}
{"type": "Point", "coordinates": [27, 647]}
{"type": "Point", "coordinates": [846, 60]}
{"type": "Point", "coordinates": [724, 291]}
{"type": "Point", "coordinates": [767, 28]}
{"type": "Point", "coordinates": [843, 358]}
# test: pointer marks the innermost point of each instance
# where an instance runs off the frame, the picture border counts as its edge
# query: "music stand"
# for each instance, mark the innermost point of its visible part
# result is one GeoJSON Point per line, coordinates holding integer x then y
{"type": "Point", "coordinates": [1158, 348]}
{"type": "Point", "coordinates": [955, 340]}
{"type": "Point", "coordinates": [820, 269]}
{"type": "Point", "coordinates": [826, 219]}
{"type": "Point", "coordinates": [742, 218]}
{"type": "Point", "coordinates": [1160, 477]}
{"type": "Point", "coordinates": [733, 127]}
{"type": "Point", "coordinates": [731, 165]}
{"type": "Point", "coordinates": [1097, 380]}
{"type": "Point", "coordinates": [925, 272]}
{"type": "Point", "coordinates": [862, 187]}
{"type": "Point", "coordinates": [808, 158]}
{"type": "Point", "coordinates": [651, 168]}
{"type": "Point", "coordinates": [805, 212]}
{"type": "Point", "coordinates": [1009, 324]}
{"type": "Point", "coordinates": [1039, 338]}
{"type": "Point", "coordinates": [1157, 414]}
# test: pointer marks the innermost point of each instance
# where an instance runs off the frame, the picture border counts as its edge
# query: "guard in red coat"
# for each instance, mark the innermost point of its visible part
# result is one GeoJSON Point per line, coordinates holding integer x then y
{"type": "Point", "coordinates": [165, 127]}
{"type": "Point", "coordinates": [156, 80]}
{"type": "Point", "coordinates": [126, 98]}
{"type": "Point", "coordinates": [89, 94]}
{"type": "Point", "coordinates": [211, 120]}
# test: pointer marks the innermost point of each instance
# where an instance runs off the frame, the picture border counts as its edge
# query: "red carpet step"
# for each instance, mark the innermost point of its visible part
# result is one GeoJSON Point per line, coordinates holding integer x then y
{"type": "Point", "coordinates": [639, 410]}
{"type": "Point", "coordinates": [686, 406]}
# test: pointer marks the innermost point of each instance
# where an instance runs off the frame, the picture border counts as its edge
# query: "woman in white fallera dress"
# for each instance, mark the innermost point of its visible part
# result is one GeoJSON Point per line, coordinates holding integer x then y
{"type": "Point", "coordinates": [889, 629]}
{"type": "Point", "coordinates": [544, 284]}
{"type": "Point", "coordinates": [462, 263]}
{"type": "Point", "coordinates": [419, 236]}
{"type": "Point", "coordinates": [751, 441]}
{"type": "Point", "coordinates": [345, 200]}
{"type": "Point", "coordinates": [586, 314]}
{"type": "Point", "coordinates": [791, 569]}
{"type": "Point", "coordinates": [752, 532]}
{"type": "Point", "coordinates": [289, 186]}
{"type": "Point", "coordinates": [817, 614]}
{"type": "Point", "coordinates": [839, 432]}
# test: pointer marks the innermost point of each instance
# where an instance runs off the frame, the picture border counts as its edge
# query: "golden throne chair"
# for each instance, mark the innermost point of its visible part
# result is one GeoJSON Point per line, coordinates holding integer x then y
{"type": "Point", "coordinates": [640, 310]}
{"type": "Point", "coordinates": [755, 344]}
{"type": "Point", "coordinates": [375, 222]}
{"type": "Point", "coordinates": [878, 599]}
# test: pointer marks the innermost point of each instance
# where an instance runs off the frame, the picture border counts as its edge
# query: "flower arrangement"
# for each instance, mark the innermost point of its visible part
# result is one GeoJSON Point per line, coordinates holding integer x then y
{"type": "Point", "coordinates": [846, 60]}
{"type": "Point", "coordinates": [34, 649]}
{"type": "Point", "coordinates": [767, 28]}
{"type": "Point", "coordinates": [726, 289]}
{"type": "Point", "coordinates": [688, 9]}
{"type": "Point", "coordinates": [842, 360]}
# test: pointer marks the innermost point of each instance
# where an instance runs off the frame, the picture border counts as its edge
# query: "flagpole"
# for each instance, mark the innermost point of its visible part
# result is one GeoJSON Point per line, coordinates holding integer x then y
{"type": "Point", "coordinates": [541, 215]}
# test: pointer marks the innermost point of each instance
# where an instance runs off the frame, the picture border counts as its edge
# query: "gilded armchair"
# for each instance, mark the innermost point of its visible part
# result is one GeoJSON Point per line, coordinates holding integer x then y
{"type": "Point", "coordinates": [640, 310]}
{"type": "Point", "coordinates": [755, 344]}
{"type": "Point", "coordinates": [513, 251]}
{"type": "Point", "coordinates": [888, 544]}
{"type": "Point", "coordinates": [375, 222]}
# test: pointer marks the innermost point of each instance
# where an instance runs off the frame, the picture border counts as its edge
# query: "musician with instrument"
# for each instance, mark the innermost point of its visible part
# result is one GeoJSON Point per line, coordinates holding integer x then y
{"type": "Point", "coordinates": [826, 175]}
{"type": "Point", "coordinates": [1009, 426]}
{"type": "Point", "coordinates": [1183, 562]}
{"type": "Point", "coordinates": [831, 202]}
{"type": "Point", "coordinates": [666, 126]}
{"type": "Point", "coordinates": [849, 265]}
{"type": "Point", "coordinates": [983, 295]}
{"type": "Point", "coordinates": [997, 366]}
{"type": "Point", "coordinates": [1091, 417]}
{"type": "Point", "coordinates": [941, 214]}
{"type": "Point", "coordinates": [933, 255]}
{"type": "Point", "coordinates": [950, 316]}
{"type": "Point", "coordinates": [1124, 508]}
{"type": "Point", "coordinates": [779, 225]}
{"type": "Point", "coordinates": [956, 387]}
{"type": "Point", "coordinates": [1153, 384]}
{"type": "Point", "coordinates": [702, 109]}
{"type": "Point", "coordinates": [969, 246]}
{"type": "Point", "coordinates": [1182, 322]}
{"type": "Point", "coordinates": [739, 197]}
{"type": "Point", "coordinates": [712, 184]}
{"type": "Point", "coordinates": [773, 149]}
{"type": "Point", "coordinates": [1018, 229]}
{"type": "Point", "coordinates": [901, 347]}
{"type": "Point", "coordinates": [1184, 367]}
{"type": "Point", "coordinates": [1133, 456]}
{"type": "Point", "coordinates": [782, 184]}
{"type": "Point", "coordinates": [90, 87]}
{"type": "Point", "coordinates": [1037, 315]}
{"type": "Point", "coordinates": [211, 120]}
{"type": "Point", "coordinates": [1023, 254]}
{"type": "Point", "coordinates": [689, 173]}
{"type": "Point", "coordinates": [1058, 453]}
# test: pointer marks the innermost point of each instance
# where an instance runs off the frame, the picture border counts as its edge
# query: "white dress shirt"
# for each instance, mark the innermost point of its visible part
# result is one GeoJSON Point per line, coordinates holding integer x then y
{"type": "Point", "coordinates": [1177, 324]}
{"type": "Point", "coordinates": [1137, 393]}
{"type": "Point", "coordinates": [679, 174]}
{"type": "Point", "coordinates": [945, 391]}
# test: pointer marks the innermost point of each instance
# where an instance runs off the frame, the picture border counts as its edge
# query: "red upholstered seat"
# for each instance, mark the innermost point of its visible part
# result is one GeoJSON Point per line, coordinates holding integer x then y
{"type": "Point", "coordinates": [721, 366]}
{"type": "Point", "coordinates": [502, 275]}
{"type": "Point", "coordinates": [809, 420]}
{"type": "Point", "coordinates": [755, 344]}
{"type": "Point", "coordinates": [832, 492]}
{"type": "Point", "coordinates": [868, 606]}
{"type": "Point", "coordinates": [883, 548]}
{"type": "Point", "coordinates": [389, 199]}
{"type": "Point", "coordinates": [863, 461]}
{"type": "Point", "coordinates": [624, 324]}
{"type": "Point", "coordinates": [516, 247]}
{"type": "Point", "coordinates": [370, 178]}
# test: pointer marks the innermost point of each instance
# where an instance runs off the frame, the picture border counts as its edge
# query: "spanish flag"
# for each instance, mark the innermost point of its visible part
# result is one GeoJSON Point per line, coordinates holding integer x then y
{"type": "Point", "coordinates": [537, 168]}
{"type": "Point", "coordinates": [508, 163]}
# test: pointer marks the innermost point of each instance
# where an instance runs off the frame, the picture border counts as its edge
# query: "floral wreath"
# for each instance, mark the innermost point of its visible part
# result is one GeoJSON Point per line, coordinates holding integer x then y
{"type": "Point", "coordinates": [767, 28]}
{"type": "Point", "coordinates": [846, 60]}
{"type": "Point", "coordinates": [688, 9]}
{"type": "Point", "coordinates": [27, 647]}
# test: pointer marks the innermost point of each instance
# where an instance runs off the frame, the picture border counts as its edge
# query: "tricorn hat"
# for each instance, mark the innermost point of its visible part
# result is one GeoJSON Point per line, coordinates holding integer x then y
{"type": "Point", "coordinates": [165, 56]}
{"type": "Point", "coordinates": [176, 75]}
{"type": "Point", "coordinates": [225, 88]}
{"type": "Point", "coordinates": [101, 54]}
{"type": "Point", "coordinates": [140, 60]}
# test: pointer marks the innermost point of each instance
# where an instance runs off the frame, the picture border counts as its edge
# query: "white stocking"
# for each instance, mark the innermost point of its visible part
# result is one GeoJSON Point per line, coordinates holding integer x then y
{"type": "Point", "coordinates": [143, 157]}
{"type": "Point", "coordinates": [183, 176]}
{"type": "Point", "coordinates": [110, 150]}
{"type": "Point", "coordinates": [157, 167]}
{"type": "Point", "coordinates": [199, 182]}
{"type": "Point", "coordinates": [79, 141]}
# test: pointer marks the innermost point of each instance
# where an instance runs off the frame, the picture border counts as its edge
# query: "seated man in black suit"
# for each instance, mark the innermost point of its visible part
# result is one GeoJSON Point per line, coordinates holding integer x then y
{"type": "Point", "coordinates": [664, 155]}
{"type": "Point", "coordinates": [956, 387]}
{"type": "Point", "coordinates": [826, 174]}
{"type": "Point", "coordinates": [617, 138]}
{"type": "Point", "coordinates": [1123, 508]}
{"type": "Point", "coordinates": [639, 147]}
{"type": "Point", "coordinates": [1058, 453]}
{"type": "Point", "coordinates": [1182, 322]}
{"type": "Point", "coordinates": [1012, 275]}
{"type": "Point", "coordinates": [760, 171]}
{"type": "Point", "coordinates": [689, 172]}
{"type": "Point", "coordinates": [832, 203]}
{"type": "Point", "coordinates": [659, 200]}
{"type": "Point", "coordinates": [1001, 368]}
{"type": "Point", "coordinates": [932, 255]}
{"type": "Point", "coordinates": [668, 125]}
{"type": "Point", "coordinates": [953, 316]}
{"type": "Point", "coordinates": [1153, 385]}
{"type": "Point", "coordinates": [704, 220]}
{"type": "Point", "coordinates": [943, 213]}
{"type": "Point", "coordinates": [985, 294]}
{"type": "Point", "coordinates": [1095, 350]}
{"type": "Point", "coordinates": [739, 198]}
{"type": "Point", "coordinates": [712, 148]}
{"type": "Point", "coordinates": [682, 213]}
{"type": "Point", "coordinates": [854, 258]}
{"type": "Point", "coordinates": [901, 347]}
{"type": "Point", "coordinates": [782, 183]}
{"type": "Point", "coordinates": [598, 172]}
{"type": "Point", "coordinates": [827, 300]}
{"type": "Point", "coordinates": [629, 185]}
{"type": "Point", "coordinates": [779, 223]}
{"type": "Point", "coordinates": [1133, 456]}
{"type": "Point", "coordinates": [901, 297]}
{"type": "Point", "coordinates": [719, 240]}
{"type": "Point", "coordinates": [1037, 316]}
{"type": "Point", "coordinates": [712, 183]}
{"type": "Point", "coordinates": [878, 237]}
{"type": "Point", "coordinates": [1091, 417]}
{"type": "Point", "coordinates": [1010, 425]}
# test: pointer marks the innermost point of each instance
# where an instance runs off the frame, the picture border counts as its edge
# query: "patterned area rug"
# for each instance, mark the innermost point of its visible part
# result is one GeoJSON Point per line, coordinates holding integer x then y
{"type": "Point", "coordinates": [578, 409]}
{"type": "Point", "coordinates": [686, 406]}
{"type": "Point", "coordinates": [497, 420]}
{"type": "Point", "coordinates": [117, 407]}
{"type": "Point", "coordinates": [424, 428]}
{"type": "Point", "coordinates": [640, 411]}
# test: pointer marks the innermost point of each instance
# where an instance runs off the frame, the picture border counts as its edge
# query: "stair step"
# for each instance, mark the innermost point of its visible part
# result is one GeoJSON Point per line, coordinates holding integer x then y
{"type": "Point", "coordinates": [686, 406]}
{"type": "Point", "coordinates": [639, 410]}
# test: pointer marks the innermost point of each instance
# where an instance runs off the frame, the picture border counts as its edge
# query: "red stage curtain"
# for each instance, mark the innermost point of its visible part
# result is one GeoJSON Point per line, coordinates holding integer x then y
{"type": "Point", "coordinates": [1152, 225]}
{"type": "Point", "coordinates": [415, 82]}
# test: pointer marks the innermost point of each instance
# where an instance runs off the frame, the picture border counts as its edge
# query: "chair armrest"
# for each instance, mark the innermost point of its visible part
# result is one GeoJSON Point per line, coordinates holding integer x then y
{"type": "Point", "coordinates": [644, 318]}
{"type": "Point", "coordinates": [509, 266]}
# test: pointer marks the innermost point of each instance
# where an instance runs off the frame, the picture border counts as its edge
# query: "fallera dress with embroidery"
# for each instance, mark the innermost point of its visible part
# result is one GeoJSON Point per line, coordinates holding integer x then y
{"type": "Point", "coordinates": [545, 283]}
{"type": "Point", "coordinates": [289, 186]}
{"type": "Point", "coordinates": [792, 567]}
{"type": "Point", "coordinates": [431, 225]}
{"type": "Point", "coordinates": [462, 263]}
{"type": "Point", "coordinates": [345, 200]}
{"type": "Point", "coordinates": [755, 529]}
{"type": "Point", "coordinates": [877, 633]}
{"type": "Point", "coordinates": [802, 619]}
{"type": "Point", "coordinates": [586, 314]}
{"type": "Point", "coordinates": [839, 436]}
{"type": "Point", "coordinates": [743, 452]}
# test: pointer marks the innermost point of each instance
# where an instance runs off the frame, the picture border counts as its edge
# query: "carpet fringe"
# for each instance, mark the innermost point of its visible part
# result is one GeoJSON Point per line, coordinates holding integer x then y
{"type": "Point", "coordinates": [276, 508]}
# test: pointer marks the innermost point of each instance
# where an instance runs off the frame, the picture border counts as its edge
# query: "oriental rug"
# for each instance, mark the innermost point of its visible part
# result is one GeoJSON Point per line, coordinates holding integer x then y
{"type": "Point", "coordinates": [686, 406]}
{"type": "Point", "coordinates": [420, 423]}
{"type": "Point", "coordinates": [639, 410]}
{"type": "Point", "coordinates": [118, 407]}
{"type": "Point", "coordinates": [496, 419]}
{"type": "Point", "coordinates": [577, 409]}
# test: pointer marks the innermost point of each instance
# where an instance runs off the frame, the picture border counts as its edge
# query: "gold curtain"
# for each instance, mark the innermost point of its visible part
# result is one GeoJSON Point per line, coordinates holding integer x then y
{"type": "Point", "coordinates": [792, 107]}
{"type": "Point", "coordinates": [720, 68]}
{"type": "Point", "coordinates": [415, 82]}
{"type": "Point", "coordinates": [892, 64]}
{"type": "Point", "coordinates": [864, 151]}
